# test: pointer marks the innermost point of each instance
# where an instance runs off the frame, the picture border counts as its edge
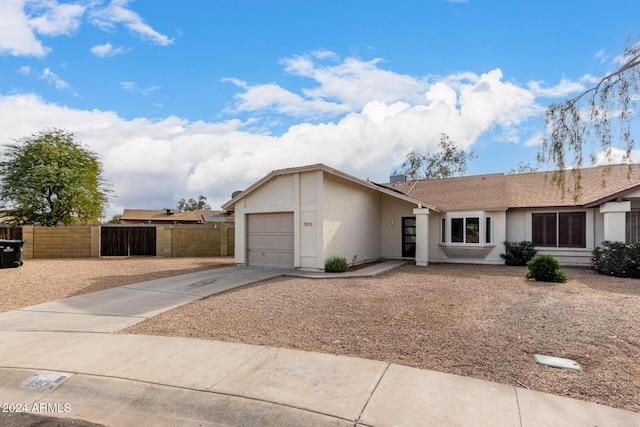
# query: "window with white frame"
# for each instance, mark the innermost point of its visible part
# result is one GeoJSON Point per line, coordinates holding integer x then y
{"type": "Point", "coordinates": [472, 228]}
{"type": "Point", "coordinates": [465, 230]}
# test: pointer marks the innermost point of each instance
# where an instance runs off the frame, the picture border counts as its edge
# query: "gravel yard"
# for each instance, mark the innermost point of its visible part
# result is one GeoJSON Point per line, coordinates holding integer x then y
{"type": "Point", "coordinates": [479, 321]}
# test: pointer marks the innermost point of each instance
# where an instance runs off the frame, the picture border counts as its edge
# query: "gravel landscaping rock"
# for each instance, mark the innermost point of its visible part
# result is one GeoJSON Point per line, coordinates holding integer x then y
{"type": "Point", "coordinates": [485, 322]}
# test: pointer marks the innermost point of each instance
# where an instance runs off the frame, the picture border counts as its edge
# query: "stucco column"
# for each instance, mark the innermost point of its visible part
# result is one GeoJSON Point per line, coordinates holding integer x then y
{"type": "Point", "coordinates": [615, 220]}
{"type": "Point", "coordinates": [422, 236]}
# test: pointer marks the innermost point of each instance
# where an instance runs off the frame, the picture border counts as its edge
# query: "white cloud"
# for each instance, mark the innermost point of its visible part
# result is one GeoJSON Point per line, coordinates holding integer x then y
{"type": "Point", "coordinates": [273, 98]}
{"type": "Point", "coordinates": [21, 21]}
{"type": "Point", "coordinates": [353, 81]}
{"type": "Point", "coordinates": [340, 87]}
{"type": "Point", "coordinates": [601, 56]}
{"type": "Point", "coordinates": [562, 89]}
{"type": "Point", "coordinates": [535, 140]}
{"type": "Point", "coordinates": [26, 70]}
{"type": "Point", "coordinates": [118, 13]}
{"type": "Point", "coordinates": [54, 79]}
{"type": "Point", "coordinates": [133, 87]}
{"type": "Point", "coordinates": [153, 163]}
{"type": "Point", "coordinates": [16, 36]}
{"type": "Point", "coordinates": [54, 19]}
{"type": "Point", "coordinates": [615, 156]}
{"type": "Point", "coordinates": [106, 49]}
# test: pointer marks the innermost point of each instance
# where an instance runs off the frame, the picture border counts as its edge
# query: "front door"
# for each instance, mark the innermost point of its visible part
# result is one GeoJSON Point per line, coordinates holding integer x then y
{"type": "Point", "coordinates": [409, 237]}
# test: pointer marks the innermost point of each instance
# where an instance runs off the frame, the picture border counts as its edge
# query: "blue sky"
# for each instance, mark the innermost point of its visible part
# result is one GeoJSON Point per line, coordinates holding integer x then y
{"type": "Point", "coordinates": [205, 97]}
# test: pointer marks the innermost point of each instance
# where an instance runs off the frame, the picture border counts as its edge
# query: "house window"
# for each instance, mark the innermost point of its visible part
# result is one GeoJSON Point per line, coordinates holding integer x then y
{"type": "Point", "coordinates": [488, 230]}
{"type": "Point", "coordinates": [559, 229]}
{"type": "Point", "coordinates": [457, 230]}
{"type": "Point", "coordinates": [472, 230]}
{"type": "Point", "coordinates": [465, 230]}
{"type": "Point", "coordinates": [632, 230]}
{"type": "Point", "coordinates": [443, 230]}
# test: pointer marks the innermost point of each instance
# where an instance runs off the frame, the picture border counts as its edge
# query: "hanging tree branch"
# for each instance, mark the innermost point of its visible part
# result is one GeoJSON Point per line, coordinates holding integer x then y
{"type": "Point", "coordinates": [596, 116]}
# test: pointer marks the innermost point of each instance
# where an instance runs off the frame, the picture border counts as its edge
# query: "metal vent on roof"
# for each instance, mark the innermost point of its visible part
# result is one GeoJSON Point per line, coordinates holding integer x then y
{"type": "Point", "coordinates": [170, 211]}
{"type": "Point", "coordinates": [235, 194]}
{"type": "Point", "coordinates": [397, 178]}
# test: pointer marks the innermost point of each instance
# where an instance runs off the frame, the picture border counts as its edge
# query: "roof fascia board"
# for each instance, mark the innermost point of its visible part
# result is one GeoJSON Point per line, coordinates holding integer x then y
{"type": "Point", "coordinates": [332, 171]}
{"type": "Point", "coordinates": [612, 197]}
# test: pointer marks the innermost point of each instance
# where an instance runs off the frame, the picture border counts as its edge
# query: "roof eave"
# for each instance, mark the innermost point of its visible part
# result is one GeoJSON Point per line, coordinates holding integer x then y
{"type": "Point", "coordinates": [332, 171]}
{"type": "Point", "coordinates": [612, 197]}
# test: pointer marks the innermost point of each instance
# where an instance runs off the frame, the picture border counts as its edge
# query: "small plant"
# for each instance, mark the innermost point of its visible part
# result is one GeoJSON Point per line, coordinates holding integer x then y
{"type": "Point", "coordinates": [518, 253]}
{"type": "Point", "coordinates": [545, 268]}
{"type": "Point", "coordinates": [335, 265]}
{"type": "Point", "coordinates": [617, 259]}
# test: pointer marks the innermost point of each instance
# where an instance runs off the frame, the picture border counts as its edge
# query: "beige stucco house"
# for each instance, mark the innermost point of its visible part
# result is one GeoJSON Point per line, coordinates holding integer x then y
{"type": "Point", "coordinates": [299, 217]}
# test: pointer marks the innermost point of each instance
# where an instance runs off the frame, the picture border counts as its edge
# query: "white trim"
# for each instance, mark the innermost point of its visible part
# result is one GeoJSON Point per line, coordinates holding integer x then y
{"type": "Point", "coordinates": [332, 171]}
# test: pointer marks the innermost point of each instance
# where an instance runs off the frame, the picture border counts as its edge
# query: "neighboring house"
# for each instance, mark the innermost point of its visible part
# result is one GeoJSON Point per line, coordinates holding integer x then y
{"type": "Point", "coordinates": [171, 216]}
{"type": "Point", "coordinates": [298, 217]}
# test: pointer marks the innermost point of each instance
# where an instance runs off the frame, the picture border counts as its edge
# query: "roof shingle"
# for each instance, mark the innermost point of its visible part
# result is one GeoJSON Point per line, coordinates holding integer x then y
{"type": "Point", "coordinates": [527, 190]}
{"type": "Point", "coordinates": [146, 215]}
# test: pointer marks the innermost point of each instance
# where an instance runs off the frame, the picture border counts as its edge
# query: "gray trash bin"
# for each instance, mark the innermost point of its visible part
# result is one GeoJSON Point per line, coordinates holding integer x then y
{"type": "Point", "coordinates": [11, 253]}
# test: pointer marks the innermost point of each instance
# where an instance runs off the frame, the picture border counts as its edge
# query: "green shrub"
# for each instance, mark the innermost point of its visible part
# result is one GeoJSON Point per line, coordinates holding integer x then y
{"type": "Point", "coordinates": [617, 259]}
{"type": "Point", "coordinates": [518, 253]}
{"type": "Point", "coordinates": [336, 265]}
{"type": "Point", "coordinates": [545, 268]}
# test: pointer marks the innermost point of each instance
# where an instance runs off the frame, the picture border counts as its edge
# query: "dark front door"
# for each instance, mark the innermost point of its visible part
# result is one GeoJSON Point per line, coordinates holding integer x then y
{"type": "Point", "coordinates": [409, 237]}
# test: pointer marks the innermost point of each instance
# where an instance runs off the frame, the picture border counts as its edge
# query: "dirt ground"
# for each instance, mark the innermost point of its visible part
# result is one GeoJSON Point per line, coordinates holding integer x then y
{"type": "Point", "coordinates": [479, 321]}
{"type": "Point", "coordinates": [485, 322]}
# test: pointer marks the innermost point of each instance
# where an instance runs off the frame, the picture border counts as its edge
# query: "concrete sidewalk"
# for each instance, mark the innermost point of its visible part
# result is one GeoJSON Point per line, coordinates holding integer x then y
{"type": "Point", "coordinates": [61, 358]}
{"type": "Point", "coordinates": [131, 380]}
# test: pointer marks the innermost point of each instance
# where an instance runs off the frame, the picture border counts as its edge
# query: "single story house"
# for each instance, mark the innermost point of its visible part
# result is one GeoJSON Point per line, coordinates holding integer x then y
{"type": "Point", "coordinates": [299, 217]}
{"type": "Point", "coordinates": [171, 216]}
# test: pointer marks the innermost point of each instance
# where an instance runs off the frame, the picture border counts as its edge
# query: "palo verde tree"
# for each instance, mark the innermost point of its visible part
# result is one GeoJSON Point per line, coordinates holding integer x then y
{"type": "Point", "coordinates": [49, 179]}
{"type": "Point", "coordinates": [601, 114]}
{"type": "Point", "coordinates": [447, 162]}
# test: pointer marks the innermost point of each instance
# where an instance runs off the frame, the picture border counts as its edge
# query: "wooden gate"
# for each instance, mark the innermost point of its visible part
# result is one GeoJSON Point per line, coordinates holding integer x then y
{"type": "Point", "coordinates": [10, 233]}
{"type": "Point", "coordinates": [127, 241]}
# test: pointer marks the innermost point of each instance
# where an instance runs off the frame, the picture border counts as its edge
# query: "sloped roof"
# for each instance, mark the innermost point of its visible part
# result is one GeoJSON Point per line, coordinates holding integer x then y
{"type": "Point", "coordinates": [597, 185]}
{"type": "Point", "coordinates": [481, 192]}
{"type": "Point", "coordinates": [146, 215]}
{"type": "Point", "coordinates": [279, 172]}
{"type": "Point", "coordinates": [529, 190]}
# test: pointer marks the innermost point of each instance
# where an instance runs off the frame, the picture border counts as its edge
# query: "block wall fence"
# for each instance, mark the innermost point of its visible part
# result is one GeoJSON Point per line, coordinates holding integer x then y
{"type": "Point", "coordinates": [171, 241]}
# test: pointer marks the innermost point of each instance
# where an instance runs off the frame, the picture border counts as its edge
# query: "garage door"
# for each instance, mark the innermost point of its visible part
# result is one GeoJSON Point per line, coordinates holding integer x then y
{"type": "Point", "coordinates": [270, 240]}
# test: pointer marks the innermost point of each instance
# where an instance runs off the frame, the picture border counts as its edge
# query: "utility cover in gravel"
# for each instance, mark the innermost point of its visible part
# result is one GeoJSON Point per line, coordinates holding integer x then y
{"type": "Point", "coordinates": [556, 362]}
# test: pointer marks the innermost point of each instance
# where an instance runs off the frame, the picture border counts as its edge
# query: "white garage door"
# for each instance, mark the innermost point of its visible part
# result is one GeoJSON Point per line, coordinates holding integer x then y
{"type": "Point", "coordinates": [270, 240]}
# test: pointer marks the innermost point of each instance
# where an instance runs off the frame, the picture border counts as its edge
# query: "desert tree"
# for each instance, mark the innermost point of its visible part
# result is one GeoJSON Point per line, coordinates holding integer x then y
{"type": "Point", "coordinates": [193, 204]}
{"type": "Point", "coordinates": [447, 162]}
{"type": "Point", "coordinates": [600, 114]}
{"type": "Point", "coordinates": [522, 167]}
{"type": "Point", "coordinates": [49, 179]}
